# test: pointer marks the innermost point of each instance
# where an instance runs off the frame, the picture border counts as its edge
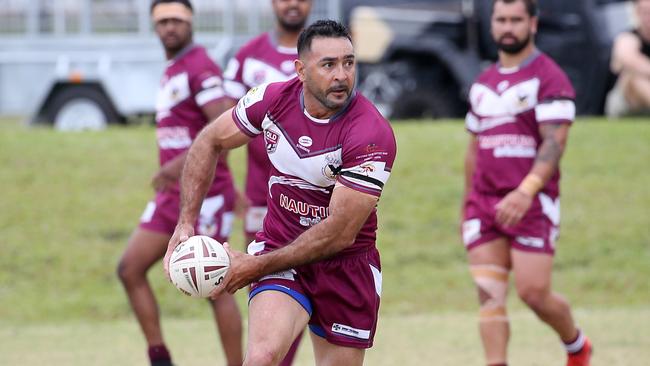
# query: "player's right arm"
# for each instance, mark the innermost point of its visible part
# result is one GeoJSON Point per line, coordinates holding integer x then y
{"type": "Point", "coordinates": [627, 56]}
{"type": "Point", "coordinates": [198, 173]}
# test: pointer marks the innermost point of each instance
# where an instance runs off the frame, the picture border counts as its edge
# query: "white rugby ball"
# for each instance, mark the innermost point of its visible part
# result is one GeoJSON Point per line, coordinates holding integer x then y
{"type": "Point", "coordinates": [198, 265]}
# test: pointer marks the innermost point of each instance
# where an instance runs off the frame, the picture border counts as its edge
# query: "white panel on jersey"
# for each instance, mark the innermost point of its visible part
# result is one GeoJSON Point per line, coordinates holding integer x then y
{"type": "Point", "coordinates": [172, 92]}
{"type": "Point", "coordinates": [311, 169]}
{"type": "Point", "coordinates": [562, 109]}
{"type": "Point", "coordinates": [234, 89]}
{"type": "Point", "coordinates": [551, 208]}
{"type": "Point", "coordinates": [209, 95]}
{"type": "Point", "coordinates": [471, 122]}
{"type": "Point", "coordinates": [256, 72]}
{"type": "Point", "coordinates": [231, 69]}
{"type": "Point", "coordinates": [371, 169]}
{"type": "Point", "coordinates": [254, 220]}
{"type": "Point", "coordinates": [513, 100]}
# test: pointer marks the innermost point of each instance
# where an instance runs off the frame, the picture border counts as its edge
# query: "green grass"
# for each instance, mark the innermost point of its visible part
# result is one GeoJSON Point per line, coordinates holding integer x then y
{"type": "Point", "coordinates": [68, 203]}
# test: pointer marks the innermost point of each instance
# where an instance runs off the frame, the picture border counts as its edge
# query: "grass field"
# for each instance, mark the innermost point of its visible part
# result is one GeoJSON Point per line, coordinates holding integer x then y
{"type": "Point", "coordinates": [69, 201]}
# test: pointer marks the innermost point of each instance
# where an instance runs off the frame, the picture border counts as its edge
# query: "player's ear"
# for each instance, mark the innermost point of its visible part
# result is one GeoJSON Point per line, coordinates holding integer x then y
{"type": "Point", "coordinates": [300, 69]}
{"type": "Point", "coordinates": [534, 22]}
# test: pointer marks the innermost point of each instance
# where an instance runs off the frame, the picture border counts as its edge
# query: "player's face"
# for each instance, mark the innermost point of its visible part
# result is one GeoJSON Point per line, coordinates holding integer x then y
{"type": "Point", "coordinates": [292, 14]}
{"type": "Point", "coordinates": [328, 71]}
{"type": "Point", "coordinates": [512, 27]}
{"type": "Point", "coordinates": [174, 34]}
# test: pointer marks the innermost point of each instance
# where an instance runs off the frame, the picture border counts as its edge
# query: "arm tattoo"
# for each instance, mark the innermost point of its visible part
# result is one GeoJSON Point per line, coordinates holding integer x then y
{"type": "Point", "coordinates": [552, 148]}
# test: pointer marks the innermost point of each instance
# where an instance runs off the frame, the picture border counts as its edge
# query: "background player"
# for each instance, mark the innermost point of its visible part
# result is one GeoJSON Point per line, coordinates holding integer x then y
{"type": "Point", "coordinates": [188, 98]}
{"type": "Point", "coordinates": [521, 110]}
{"type": "Point", "coordinates": [315, 261]}
{"type": "Point", "coordinates": [267, 58]}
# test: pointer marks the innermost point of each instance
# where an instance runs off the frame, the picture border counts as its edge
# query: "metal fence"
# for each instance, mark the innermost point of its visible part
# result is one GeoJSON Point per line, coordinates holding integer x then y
{"type": "Point", "coordinates": [86, 17]}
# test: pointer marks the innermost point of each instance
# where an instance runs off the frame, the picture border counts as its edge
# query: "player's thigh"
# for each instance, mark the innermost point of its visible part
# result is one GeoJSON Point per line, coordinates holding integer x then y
{"type": "Point", "coordinates": [144, 248]}
{"type": "Point", "coordinates": [494, 252]}
{"type": "Point", "coordinates": [328, 354]}
{"type": "Point", "coordinates": [274, 320]}
{"type": "Point", "coordinates": [532, 271]}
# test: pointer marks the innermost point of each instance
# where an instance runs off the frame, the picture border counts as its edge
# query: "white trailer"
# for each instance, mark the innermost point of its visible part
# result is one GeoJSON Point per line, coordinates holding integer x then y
{"type": "Point", "coordinates": [82, 64]}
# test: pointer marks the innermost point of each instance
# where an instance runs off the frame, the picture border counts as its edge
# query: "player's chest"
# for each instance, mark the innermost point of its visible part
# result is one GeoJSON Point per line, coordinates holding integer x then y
{"type": "Point", "coordinates": [504, 98]}
{"type": "Point", "coordinates": [300, 149]}
{"type": "Point", "coordinates": [256, 72]}
{"type": "Point", "coordinates": [173, 90]}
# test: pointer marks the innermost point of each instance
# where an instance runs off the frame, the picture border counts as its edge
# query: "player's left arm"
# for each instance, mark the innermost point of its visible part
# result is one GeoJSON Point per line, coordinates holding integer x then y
{"type": "Point", "coordinates": [349, 210]}
{"type": "Point", "coordinates": [514, 206]}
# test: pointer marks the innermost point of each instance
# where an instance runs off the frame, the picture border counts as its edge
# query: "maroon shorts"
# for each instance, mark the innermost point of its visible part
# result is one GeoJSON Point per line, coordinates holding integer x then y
{"type": "Point", "coordinates": [340, 294]}
{"type": "Point", "coordinates": [537, 231]}
{"type": "Point", "coordinates": [215, 219]}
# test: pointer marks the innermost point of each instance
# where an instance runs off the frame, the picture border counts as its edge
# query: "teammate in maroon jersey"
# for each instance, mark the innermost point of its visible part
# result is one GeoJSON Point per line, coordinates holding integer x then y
{"type": "Point", "coordinates": [190, 95]}
{"type": "Point", "coordinates": [521, 111]}
{"type": "Point", "coordinates": [315, 261]}
{"type": "Point", "coordinates": [267, 58]}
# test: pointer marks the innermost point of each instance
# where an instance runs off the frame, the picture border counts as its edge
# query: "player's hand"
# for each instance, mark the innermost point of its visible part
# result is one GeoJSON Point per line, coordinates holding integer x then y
{"type": "Point", "coordinates": [512, 208]}
{"type": "Point", "coordinates": [243, 270]}
{"type": "Point", "coordinates": [161, 181]}
{"type": "Point", "coordinates": [181, 233]}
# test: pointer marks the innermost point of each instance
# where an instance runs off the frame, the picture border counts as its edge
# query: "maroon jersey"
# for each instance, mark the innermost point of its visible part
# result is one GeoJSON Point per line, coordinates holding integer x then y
{"type": "Point", "coordinates": [355, 148]}
{"type": "Point", "coordinates": [260, 61]}
{"type": "Point", "coordinates": [191, 81]}
{"type": "Point", "coordinates": [507, 106]}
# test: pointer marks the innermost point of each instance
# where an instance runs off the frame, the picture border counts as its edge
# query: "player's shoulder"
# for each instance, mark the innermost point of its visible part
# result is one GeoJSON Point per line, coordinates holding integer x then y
{"type": "Point", "coordinates": [546, 66]}
{"type": "Point", "coordinates": [271, 92]}
{"type": "Point", "coordinates": [552, 78]}
{"type": "Point", "coordinates": [256, 45]}
{"type": "Point", "coordinates": [197, 60]}
{"type": "Point", "coordinates": [366, 118]}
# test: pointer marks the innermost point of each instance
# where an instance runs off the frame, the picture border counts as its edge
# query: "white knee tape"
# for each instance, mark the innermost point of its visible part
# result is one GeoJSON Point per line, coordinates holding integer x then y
{"type": "Point", "coordinates": [492, 284]}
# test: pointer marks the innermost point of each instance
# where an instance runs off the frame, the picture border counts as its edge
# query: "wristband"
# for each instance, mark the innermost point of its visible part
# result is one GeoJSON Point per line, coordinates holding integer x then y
{"type": "Point", "coordinates": [531, 184]}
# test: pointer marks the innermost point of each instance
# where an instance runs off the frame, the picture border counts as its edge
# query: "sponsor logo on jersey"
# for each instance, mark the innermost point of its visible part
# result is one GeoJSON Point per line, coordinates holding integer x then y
{"type": "Point", "coordinates": [305, 141]}
{"type": "Point", "coordinates": [271, 139]}
{"type": "Point", "coordinates": [303, 208]}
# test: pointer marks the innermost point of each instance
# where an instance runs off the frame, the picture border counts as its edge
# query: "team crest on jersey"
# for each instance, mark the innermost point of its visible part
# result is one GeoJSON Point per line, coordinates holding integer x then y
{"type": "Point", "coordinates": [332, 167]}
{"type": "Point", "coordinates": [271, 140]}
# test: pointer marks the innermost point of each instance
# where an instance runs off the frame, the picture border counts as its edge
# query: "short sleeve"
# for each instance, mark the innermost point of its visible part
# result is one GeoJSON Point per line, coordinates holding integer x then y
{"type": "Point", "coordinates": [367, 158]}
{"type": "Point", "coordinates": [472, 122]}
{"type": "Point", "coordinates": [556, 98]}
{"type": "Point", "coordinates": [252, 108]}
{"type": "Point", "coordinates": [207, 86]}
{"type": "Point", "coordinates": [234, 84]}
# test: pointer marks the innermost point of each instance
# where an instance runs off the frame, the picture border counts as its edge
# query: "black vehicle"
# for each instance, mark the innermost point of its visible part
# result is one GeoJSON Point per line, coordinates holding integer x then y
{"type": "Point", "coordinates": [419, 58]}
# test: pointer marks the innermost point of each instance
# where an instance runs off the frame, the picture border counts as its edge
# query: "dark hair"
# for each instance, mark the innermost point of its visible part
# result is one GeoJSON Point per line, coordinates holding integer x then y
{"type": "Point", "coordinates": [184, 2]}
{"type": "Point", "coordinates": [321, 28]}
{"type": "Point", "coordinates": [531, 6]}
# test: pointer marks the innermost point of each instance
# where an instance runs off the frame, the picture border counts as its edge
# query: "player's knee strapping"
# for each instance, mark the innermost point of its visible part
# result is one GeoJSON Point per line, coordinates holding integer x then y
{"type": "Point", "coordinates": [492, 284]}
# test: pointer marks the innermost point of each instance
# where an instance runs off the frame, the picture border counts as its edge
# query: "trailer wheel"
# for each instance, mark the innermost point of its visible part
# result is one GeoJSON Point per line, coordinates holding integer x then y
{"type": "Point", "coordinates": [81, 107]}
